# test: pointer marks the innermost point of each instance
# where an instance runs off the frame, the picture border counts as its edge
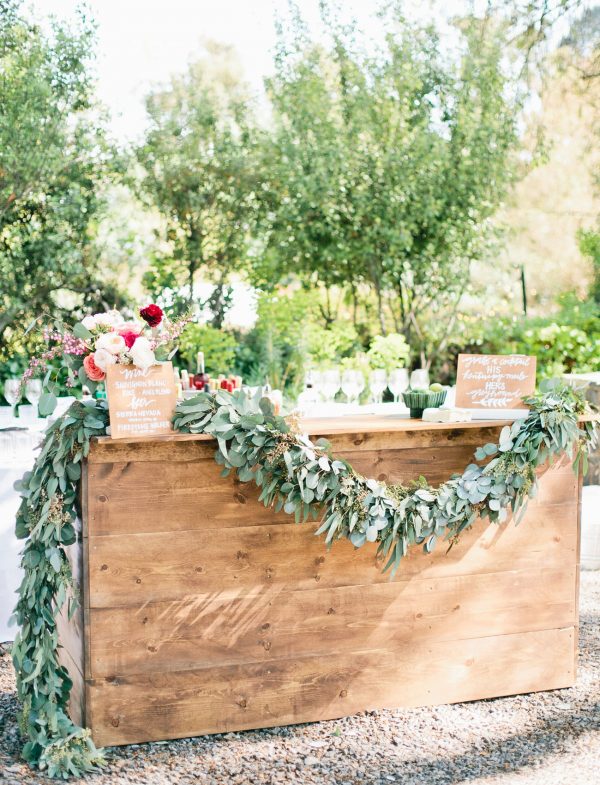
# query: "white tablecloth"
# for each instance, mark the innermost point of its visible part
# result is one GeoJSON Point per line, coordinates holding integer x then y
{"type": "Point", "coordinates": [17, 455]}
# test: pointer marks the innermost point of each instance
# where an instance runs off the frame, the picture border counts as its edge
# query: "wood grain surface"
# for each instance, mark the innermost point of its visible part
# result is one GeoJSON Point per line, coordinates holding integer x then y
{"type": "Point", "coordinates": [176, 703]}
{"type": "Point", "coordinates": [204, 612]}
{"type": "Point", "coordinates": [211, 629]}
{"type": "Point", "coordinates": [128, 569]}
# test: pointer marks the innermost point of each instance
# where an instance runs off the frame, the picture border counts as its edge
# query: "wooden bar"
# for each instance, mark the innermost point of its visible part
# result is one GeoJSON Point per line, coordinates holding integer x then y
{"type": "Point", "coordinates": [204, 612]}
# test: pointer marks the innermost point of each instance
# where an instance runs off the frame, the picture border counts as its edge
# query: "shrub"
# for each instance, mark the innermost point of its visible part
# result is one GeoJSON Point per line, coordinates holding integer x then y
{"type": "Point", "coordinates": [389, 352]}
{"type": "Point", "coordinates": [219, 347]}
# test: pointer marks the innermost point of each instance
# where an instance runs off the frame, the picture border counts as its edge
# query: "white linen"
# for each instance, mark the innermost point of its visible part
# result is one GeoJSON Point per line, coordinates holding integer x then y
{"type": "Point", "coordinates": [17, 455]}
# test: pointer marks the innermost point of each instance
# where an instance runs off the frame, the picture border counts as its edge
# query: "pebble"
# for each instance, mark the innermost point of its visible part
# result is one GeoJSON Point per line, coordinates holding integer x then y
{"type": "Point", "coordinates": [546, 738]}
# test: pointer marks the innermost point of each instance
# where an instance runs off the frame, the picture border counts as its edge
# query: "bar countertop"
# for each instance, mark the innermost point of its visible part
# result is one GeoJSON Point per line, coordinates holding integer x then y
{"type": "Point", "coordinates": [356, 424]}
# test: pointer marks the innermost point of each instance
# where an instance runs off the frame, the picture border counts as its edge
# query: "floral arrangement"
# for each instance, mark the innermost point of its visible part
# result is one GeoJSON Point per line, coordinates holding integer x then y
{"type": "Point", "coordinates": [101, 340]}
{"type": "Point", "coordinates": [301, 477]}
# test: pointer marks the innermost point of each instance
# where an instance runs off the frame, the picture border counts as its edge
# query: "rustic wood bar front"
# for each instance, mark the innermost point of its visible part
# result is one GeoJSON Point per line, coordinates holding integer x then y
{"type": "Point", "coordinates": [203, 612]}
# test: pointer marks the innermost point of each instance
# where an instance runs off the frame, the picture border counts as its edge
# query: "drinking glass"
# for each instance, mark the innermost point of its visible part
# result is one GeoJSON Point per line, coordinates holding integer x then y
{"type": "Point", "coordinates": [12, 392]}
{"type": "Point", "coordinates": [377, 384]}
{"type": "Point", "coordinates": [419, 379]}
{"type": "Point", "coordinates": [350, 385]}
{"type": "Point", "coordinates": [398, 382]}
{"type": "Point", "coordinates": [315, 378]}
{"type": "Point", "coordinates": [360, 384]}
{"type": "Point", "coordinates": [331, 383]}
{"type": "Point", "coordinates": [33, 392]}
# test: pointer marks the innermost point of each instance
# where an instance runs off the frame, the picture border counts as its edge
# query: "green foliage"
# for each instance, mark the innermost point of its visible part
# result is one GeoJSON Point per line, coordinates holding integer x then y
{"type": "Point", "coordinates": [301, 478]}
{"type": "Point", "coordinates": [388, 352]}
{"type": "Point", "coordinates": [383, 170]}
{"type": "Point", "coordinates": [197, 170]}
{"type": "Point", "coordinates": [276, 347]}
{"type": "Point", "coordinates": [326, 346]}
{"type": "Point", "coordinates": [565, 342]}
{"type": "Point", "coordinates": [589, 245]}
{"type": "Point", "coordinates": [289, 337]}
{"type": "Point", "coordinates": [46, 520]}
{"type": "Point", "coordinates": [305, 480]}
{"type": "Point", "coordinates": [219, 347]}
{"type": "Point", "coordinates": [53, 160]}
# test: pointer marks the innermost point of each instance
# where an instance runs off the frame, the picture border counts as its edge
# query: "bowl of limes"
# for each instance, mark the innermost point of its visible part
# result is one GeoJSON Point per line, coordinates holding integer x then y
{"type": "Point", "coordinates": [419, 399]}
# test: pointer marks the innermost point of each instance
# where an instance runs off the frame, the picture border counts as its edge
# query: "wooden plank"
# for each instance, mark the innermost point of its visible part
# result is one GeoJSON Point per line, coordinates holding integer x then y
{"type": "Point", "coordinates": [579, 495]}
{"type": "Point", "coordinates": [76, 706]}
{"type": "Point", "coordinates": [183, 495]}
{"type": "Point", "coordinates": [129, 569]}
{"type": "Point", "coordinates": [188, 495]}
{"type": "Point", "coordinates": [171, 705]}
{"type": "Point", "coordinates": [211, 630]}
{"type": "Point", "coordinates": [70, 631]}
{"type": "Point", "coordinates": [346, 432]}
{"type": "Point", "coordinates": [412, 439]}
{"type": "Point", "coordinates": [190, 447]}
{"type": "Point", "coordinates": [85, 578]}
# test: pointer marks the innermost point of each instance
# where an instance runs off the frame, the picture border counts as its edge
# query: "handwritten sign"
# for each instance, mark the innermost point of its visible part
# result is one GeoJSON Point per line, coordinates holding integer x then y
{"type": "Point", "coordinates": [494, 381]}
{"type": "Point", "coordinates": [140, 402]}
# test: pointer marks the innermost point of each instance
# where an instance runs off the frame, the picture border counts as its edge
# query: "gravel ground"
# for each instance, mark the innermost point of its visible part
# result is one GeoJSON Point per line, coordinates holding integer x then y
{"type": "Point", "coordinates": [550, 738]}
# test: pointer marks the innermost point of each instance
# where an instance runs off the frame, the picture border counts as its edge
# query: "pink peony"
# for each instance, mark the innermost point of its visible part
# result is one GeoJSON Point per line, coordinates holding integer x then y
{"type": "Point", "coordinates": [129, 336]}
{"type": "Point", "coordinates": [94, 373]}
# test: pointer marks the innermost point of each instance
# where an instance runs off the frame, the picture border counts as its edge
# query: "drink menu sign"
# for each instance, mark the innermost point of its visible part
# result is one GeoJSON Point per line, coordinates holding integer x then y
{"type": "Point", "coordinates": [494, 381]}
{"type": "Point", "coordinates": [141, 402]}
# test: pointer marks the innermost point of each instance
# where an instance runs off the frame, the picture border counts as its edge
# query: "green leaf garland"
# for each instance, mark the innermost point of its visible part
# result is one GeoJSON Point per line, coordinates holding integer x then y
{"type": "Point", "coordinates": [294, 474]}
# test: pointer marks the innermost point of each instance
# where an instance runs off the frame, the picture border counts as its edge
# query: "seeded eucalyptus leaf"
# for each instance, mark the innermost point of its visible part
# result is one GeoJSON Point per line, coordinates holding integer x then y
{"type": "Point", "coordinates": [80, 331]}
{"type": "Point", "coordinates": [47, 404]}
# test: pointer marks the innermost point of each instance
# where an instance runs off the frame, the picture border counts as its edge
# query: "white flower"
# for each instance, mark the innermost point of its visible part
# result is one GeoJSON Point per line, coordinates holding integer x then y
{"type": "Point", "coordinates": [103, 358]}
{"type": "Point", "coordinates": [112, 342]}
{"type": "Point", "coordinates": [109, 319]}
{"type": "Point", "coordinates": [89, 322]}
{"type": "Point", "coordinates": [142, 354]}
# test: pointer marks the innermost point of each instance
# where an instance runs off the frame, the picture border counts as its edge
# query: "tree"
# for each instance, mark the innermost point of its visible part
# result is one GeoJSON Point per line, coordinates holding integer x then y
{"type": "Point", "coordinates": [53, 159]}
{"type": "Point", "coordinates": [198, 173]}
{"type": "Point", "coordinates": [385, 167]}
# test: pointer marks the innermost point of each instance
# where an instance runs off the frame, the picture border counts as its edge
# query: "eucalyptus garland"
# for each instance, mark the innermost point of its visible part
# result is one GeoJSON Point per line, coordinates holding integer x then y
{"type": "Point", "coordinates": [301, 477]}
{"type": "Point", "coordinates": [305, 480]}
{"type": "Point", "coordinates": [46, 518]}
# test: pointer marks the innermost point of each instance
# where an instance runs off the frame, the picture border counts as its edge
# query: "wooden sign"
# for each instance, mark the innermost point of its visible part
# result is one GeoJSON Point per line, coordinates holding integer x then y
{"type": "Point", "coordinates": [140, 402]}
{"type": "Point", "coordinates": [494, 381]}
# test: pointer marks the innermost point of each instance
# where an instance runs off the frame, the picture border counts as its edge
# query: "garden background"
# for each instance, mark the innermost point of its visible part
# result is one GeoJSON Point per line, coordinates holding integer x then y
{"type": "Point", "coordinates": [426, 177]}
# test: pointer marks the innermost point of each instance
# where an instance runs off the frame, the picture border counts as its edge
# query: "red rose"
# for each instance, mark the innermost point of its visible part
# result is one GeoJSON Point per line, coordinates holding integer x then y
{"type": "Point", "coordinates": [129, 336]}
{"type": "Point", "coordinates": [94, 373]}
{"type": "Point", "coordinates": [152, 315]}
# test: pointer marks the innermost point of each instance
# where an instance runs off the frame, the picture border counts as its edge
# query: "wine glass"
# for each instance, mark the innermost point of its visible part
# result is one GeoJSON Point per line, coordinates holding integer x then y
{"type": "Point", "coordinates": [377, 384]}
{"type": "Point", "coordinates": [331, 383]}
{"type": "Point", "coordinates": [33, 393]}
{"type": "Point", "coordinates": [398, 382]}
{"type": "Point", "coordinates": [316, 379]}
{"type": "Point", "coordinates": [350, 385]}
{"type": "Point", "coordinates": [360, 384]}
{"type": "Point", "coordinates": [12, 392]}
{"type": "Point", "coordinates": [419, 379]}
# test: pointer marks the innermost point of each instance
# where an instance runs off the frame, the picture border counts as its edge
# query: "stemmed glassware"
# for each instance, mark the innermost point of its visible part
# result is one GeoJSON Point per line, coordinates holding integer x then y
{"type": "Point", "coordinates": [353, 384]}
{"type": "Point", "coordinates": [398, 382]}
{"type": "Point", "coordinates": [12, 392]}
{"type": "Point", "coordinates": [33, 392]}
{"type": "Point", "coordinates": [377, 384]}
{"type": "Point", "coordinates": [360, 384]}
{"type": "Point", "coordinates": [419, 379]}
{"type": "Point", "coordinates": [331, 383]}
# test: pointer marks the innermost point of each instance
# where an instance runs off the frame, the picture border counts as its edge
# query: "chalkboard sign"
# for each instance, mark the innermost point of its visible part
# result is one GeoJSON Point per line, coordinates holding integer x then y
{"type": "Point", "coordinates": [140, 402]}
{"type": "Point", "coordinates": [494, 381]}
